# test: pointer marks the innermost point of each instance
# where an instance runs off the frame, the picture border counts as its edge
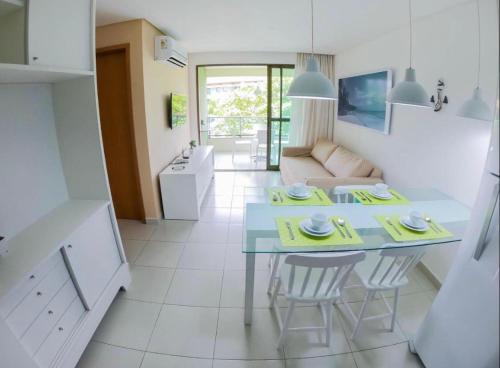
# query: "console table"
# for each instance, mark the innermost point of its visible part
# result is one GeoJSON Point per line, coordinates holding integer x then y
{"type": "Point", "coordinates": [183, 186]}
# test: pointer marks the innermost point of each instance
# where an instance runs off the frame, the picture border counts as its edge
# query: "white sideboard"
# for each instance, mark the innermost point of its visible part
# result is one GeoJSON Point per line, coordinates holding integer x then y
{"type": "Point", "coordinates": [61, 259]}
{"type": "Point", "coordinates": [184, 186]}
{"type": "Point", "coordinates": [57, 281]}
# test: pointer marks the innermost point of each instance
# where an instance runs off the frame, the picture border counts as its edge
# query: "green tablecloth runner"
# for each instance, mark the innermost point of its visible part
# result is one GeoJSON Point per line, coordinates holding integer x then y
{"type": "Point", "coordinates": [318, 198]}
{"type": "Point", "coordinates": [362, 194]}
{"type": "Point", "coordinates": [303, 240]}
{"type": "Point", "coordinates": [435, 231]}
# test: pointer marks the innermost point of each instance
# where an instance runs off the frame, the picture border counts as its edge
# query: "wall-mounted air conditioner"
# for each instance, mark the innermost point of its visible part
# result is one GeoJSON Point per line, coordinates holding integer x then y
{"type": "Point", "coordinates": [168, 50]}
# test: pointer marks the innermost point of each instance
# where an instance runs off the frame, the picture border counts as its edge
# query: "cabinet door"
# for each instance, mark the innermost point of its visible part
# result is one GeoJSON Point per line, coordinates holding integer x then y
{"type": "Point", "coordinates": [92, 256]}
{"type": "Point", "coordinates": [59, 33]}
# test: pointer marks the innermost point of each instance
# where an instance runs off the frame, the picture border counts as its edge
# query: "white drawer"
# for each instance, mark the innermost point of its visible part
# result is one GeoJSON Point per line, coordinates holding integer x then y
{"type": "Point", "coordinates": [60, 333]}
{"type": "Point", "coordinates": [30, 307]}
{"type": "Point", "coordinates": [46, 321]}
{"type": "Point", "coordinates": [12, 300]}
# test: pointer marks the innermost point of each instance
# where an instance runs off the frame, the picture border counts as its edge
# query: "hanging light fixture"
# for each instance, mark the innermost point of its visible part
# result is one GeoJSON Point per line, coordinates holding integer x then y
{"type": "Point", "coordinates": [312, 83]}
{"type": "Point", "coordinates": [475, 107]}
{"type": "Point", "coordinates": [409, 91]}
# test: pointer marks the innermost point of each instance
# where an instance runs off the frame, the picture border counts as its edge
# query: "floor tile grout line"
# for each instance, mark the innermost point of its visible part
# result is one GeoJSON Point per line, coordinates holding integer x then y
{"type": "Point", "coordinates": [254, 359]}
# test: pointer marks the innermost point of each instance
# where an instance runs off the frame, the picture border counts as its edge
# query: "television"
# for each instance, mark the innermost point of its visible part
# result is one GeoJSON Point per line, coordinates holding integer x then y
{"type": "Point", "coordinates": [177, 110]}
{"type": "Point", "coordinates": [363, 100]}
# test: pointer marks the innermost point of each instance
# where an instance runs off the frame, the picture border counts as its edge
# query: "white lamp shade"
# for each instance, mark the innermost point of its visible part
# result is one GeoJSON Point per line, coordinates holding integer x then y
{"type": "Point", "coordinates": [409, 92]}
{"type": "Point", "coordinates": [312, 84]}
{"type": "Point", "coordinates": [475, 108]}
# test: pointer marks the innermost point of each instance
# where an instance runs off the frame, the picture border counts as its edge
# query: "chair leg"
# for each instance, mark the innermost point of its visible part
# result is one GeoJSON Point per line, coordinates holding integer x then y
{"type": "Point", "coordinates": [328, 323]}
{"type": "Point", "coordinates": [394, 308]}
{"type": "Point", "coordinates": [361, 314]}
{"type": "Point", "coordinates": [284, 330]}
{"type": "Point", "coordinates": [275, 293]}
{"type": "Point", "coordinates": [274, 270]}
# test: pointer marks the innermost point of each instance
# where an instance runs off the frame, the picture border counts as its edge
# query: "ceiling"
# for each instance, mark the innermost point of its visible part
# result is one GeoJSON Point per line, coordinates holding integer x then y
{"type": "Point", "coordinates": [269, 25]}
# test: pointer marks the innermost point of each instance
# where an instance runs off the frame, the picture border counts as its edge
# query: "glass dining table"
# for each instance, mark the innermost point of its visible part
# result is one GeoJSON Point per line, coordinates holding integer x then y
{"type": "Point", "coordinates": [261, 232]}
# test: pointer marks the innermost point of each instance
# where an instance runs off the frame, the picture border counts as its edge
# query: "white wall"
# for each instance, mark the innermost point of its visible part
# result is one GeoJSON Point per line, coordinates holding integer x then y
{"type": "Point", "coordinates": [31, 177]}
{"type": "Point", "coordinates": [425, 148]}
{"type": "Point", "coordinates": [213, 58]}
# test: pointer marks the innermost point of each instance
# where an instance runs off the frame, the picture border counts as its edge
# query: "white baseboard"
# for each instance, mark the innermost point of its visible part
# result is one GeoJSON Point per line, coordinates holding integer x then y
{"type": "Point", "coordinates": [430, 275]}
{"type": "Point", "coordinates": [153, 221]}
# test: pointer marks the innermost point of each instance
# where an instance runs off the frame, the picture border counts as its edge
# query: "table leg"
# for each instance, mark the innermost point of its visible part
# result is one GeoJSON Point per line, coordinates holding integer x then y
{"type": "Point", "coordinates": [249, 284]}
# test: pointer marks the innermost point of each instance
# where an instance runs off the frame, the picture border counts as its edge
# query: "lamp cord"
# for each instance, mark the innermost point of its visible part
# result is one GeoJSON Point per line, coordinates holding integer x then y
{"type": "Point", "coordinates": [411, 33]}
{"type": "Point", "coordinates": [478, 44]}
{"type": "Point", "coordinates": [312, 28]}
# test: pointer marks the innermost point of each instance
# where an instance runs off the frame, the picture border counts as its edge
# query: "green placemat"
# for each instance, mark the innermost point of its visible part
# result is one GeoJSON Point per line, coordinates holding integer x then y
{"type": "Point", "coordinates": [318, 198]}
{"type": "Point", "coordinates": [436, 231]}
{"type": "Point", "coordinates": [291, 235]}
{"type": "Point", "coordinates": [364, 196]}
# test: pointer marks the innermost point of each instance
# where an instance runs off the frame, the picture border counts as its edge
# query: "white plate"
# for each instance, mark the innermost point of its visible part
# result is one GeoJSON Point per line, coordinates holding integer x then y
{"type": "Point", "coordinates": [387, 195]}
{"type": "Point", "coordinates": [305, 227]}
{"type": "Point", "coordinates": [302, 196]}
{"type": "Point", "coordinates": [327, 227]}
{"type": "Point", "coordinates": [404, 221]}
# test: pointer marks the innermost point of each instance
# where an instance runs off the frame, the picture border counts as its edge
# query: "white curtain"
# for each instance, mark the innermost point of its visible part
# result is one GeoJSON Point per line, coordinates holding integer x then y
{"type": "Point", "coordinates": [312, 119]}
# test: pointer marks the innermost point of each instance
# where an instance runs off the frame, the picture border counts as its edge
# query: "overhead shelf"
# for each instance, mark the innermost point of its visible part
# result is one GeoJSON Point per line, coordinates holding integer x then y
{"type": "Point", "coordinates": [19, 73]}
{"type": "Point", "coordinates": [8, 6]}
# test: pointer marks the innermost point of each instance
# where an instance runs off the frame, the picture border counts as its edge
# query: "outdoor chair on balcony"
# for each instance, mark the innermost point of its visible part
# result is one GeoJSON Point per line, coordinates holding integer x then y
{"type": "Point", "coordinates": [261, 144]}
{"type": "Point", "coordinates": [239, 142]}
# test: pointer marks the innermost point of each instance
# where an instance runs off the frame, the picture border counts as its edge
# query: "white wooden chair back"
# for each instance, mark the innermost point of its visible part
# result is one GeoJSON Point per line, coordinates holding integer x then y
{"type": "Point", "coordinates": [343, 194]}
{"type": "Point", "coordinates": [330, 273]}
{"type": "Point", "coordinates": [395, 263]}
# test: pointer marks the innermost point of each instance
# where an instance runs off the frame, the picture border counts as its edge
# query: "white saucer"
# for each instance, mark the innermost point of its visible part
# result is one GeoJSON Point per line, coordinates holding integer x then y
{"type": "Point", "coordinates": [405, 221]}
{"type": "Point", "coordinates": [307, 228]}
{"type": "Point", "coordinates": [299, 196]}
{"type": "Point", "coordinates": [387, 195]}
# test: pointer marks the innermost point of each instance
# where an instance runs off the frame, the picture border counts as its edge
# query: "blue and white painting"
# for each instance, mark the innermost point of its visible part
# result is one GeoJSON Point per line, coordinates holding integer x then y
{"type": "Point", "coordinates": [363, 100]}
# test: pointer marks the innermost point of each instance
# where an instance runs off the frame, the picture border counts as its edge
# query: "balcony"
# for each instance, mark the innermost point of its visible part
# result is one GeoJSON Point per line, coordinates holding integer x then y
{"type": "Point", "coordinates": [239, 141]}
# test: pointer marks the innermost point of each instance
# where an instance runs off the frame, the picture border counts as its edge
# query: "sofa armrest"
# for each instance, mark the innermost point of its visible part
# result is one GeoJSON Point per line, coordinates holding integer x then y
{"type": "Point", "coordinates": [296, 151]}
{"type": "Point", "coordinates": [329, 183]}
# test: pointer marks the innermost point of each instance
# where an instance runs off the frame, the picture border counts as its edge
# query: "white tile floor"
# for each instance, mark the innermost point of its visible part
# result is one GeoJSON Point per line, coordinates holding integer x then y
{"type": "Point", "coordinates": [184, 306]}
{"type": "Point", "coordinates": [242, 161]}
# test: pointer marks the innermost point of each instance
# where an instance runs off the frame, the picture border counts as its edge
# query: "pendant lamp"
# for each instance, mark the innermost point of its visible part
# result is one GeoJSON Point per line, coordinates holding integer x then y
{"type": "Point", "coordinates": [409, 91]}
{"type": "Point", "coordinates": [475, 107]}
{"type": "Point", "coordinates": [312, 84]}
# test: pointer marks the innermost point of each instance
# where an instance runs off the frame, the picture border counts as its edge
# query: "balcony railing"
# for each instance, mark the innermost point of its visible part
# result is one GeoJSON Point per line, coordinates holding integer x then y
{"type": "Point", "coordinates": [234, 126]}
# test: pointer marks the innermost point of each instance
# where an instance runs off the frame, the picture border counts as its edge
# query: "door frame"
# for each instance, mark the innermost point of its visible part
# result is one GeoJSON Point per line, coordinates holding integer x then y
{"type": "Point", "coordinates": [269, 66]}
{"type": "Point", "coordinates": [135, 163]}
{"type": "Point", "coordinates": [270, 118]}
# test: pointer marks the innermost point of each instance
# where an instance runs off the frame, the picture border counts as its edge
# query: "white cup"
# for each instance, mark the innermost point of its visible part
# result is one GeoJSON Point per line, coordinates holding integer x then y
{"type": "Point", "coordinates": [415, 218]}
{"type": "Point", "coordinates": [299, 188]}
{"type": "Point", "coordinates": [381, 188]}
{"type": "Point", "coordinates": [318, 220]}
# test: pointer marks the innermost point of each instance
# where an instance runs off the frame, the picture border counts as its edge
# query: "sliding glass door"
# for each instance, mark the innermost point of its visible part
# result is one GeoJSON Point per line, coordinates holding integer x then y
{"type": "Point", "coordinates": [279, 78]}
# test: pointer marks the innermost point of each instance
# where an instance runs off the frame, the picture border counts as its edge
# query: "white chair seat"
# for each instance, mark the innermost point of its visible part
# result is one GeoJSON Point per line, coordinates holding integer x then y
{"type": "Point", "coordinates": [364, 270]}
{"type": "Point", "coordinates": [312, 285]}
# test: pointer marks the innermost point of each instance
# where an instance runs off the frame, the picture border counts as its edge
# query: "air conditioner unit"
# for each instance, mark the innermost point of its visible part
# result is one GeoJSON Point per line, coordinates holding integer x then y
{"type": "Point", "coordinates": [168, 50]}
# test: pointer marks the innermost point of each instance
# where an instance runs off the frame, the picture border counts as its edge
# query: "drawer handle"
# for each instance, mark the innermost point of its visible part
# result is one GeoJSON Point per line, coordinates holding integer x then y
{"type": "Point", "coordinates": [61, 329]}
{"type": "Point", "coordinates": [39, 293]}
{"type": "Point", "coordinates": [32, 277]}
{"type": "Point", "coordinates": [35, 57]}
{"type": "Point", "coordinates": [50, 312]}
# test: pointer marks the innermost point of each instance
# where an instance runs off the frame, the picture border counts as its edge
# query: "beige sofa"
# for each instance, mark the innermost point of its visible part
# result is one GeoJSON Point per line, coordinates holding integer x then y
{"type": "Point", "coordinates": [326, 165]}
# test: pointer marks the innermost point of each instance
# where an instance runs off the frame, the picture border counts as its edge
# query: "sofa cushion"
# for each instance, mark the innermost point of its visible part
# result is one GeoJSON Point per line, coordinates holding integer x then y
{"type": "Point", "coordinates": [344, 163]}
{"type": "Point", "coordinates": [298, 169]}
{"type": "Point", "coordinates": [322, 150]}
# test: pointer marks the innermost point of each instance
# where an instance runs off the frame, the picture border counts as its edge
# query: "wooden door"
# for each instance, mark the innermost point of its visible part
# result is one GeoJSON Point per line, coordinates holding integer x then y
{"type": "Point", "coordinates": [115, 107]}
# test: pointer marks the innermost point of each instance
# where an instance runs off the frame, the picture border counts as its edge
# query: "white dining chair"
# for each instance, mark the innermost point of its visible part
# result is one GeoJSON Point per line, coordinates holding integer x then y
{"type": "Point", "coordinates": [384, 270]}
{"type": "Point", "coordinates": [261, 144]}
{"type": "Point", "coordinates": [343, 194]}
{"type": "Point", "coordinates": [312, 279]}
